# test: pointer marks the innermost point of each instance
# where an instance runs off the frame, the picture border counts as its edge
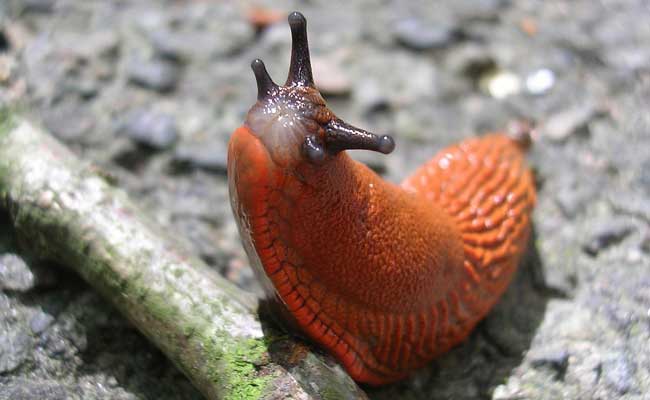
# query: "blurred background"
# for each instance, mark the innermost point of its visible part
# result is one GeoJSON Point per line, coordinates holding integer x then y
{"type": "Point", "coordinates": [150, 91]}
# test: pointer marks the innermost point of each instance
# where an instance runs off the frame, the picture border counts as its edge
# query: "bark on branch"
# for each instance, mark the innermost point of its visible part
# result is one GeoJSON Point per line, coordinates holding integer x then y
{"type": "Point", "coordinates": [66, 212]}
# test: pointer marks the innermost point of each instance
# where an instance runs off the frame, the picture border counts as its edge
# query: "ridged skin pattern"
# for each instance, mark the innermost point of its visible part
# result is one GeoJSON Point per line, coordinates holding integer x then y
{"type": "Point", "coordinates": [385, 277]}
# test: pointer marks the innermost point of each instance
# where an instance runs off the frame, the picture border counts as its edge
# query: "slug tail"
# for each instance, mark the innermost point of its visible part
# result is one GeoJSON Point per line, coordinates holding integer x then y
{"type": "Point", "coordinates": [485, 186]}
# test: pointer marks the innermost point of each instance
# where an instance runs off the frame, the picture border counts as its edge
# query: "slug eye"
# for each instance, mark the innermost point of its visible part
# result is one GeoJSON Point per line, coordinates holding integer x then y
{"type": "Point", "coordinates": [312, 150]}
{"type": "Point", "coordinates": [298, 101]}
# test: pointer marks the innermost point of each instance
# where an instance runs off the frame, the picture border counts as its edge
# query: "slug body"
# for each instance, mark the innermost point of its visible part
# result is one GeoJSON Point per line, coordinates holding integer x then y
{"type": "Point", "coordinates": [385, 277]}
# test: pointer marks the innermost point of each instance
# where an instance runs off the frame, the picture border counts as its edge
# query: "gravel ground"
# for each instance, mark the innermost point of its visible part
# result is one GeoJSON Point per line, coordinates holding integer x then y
{"type": "Point", "coordinates": [150, 92]}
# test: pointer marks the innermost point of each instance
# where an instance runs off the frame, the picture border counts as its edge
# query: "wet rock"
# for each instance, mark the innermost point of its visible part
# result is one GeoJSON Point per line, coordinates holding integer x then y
{"type": "Point", "coordinates": [618, 373]}
{"type": "Point", "coordinates": [565, 123]}
{"type": "Point", "coordinates": [210, 156]}
{"type": "Point", "coordinates": [158, 75]}
{"type": "Point", "coordinates": [607, 234]}
{"type": "Point", "coordinates": [152, 129]}
{"type": "Point", "coordinates": [15, 345]}
{"type": "Point", "coordinates": [15, 274]}
{"type": "Point", "coordinates": [556, 361]}
{"type": "Point", "coordinates": [416, 34]}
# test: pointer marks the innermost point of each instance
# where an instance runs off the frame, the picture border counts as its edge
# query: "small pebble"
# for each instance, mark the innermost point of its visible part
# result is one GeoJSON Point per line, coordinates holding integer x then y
{"type": "Point", "coordinates": [330, 77]}
{"type": "Point", "coordinates": [608, 234]}
{"type": "Point", "coordinates": [419, 35]}
{"type": "Point", "coordinates": [563, 124]}
{"type": "Point", "coordinates": [500, 84]}
{"type": "Point", "coordinates": [170, 45]}
{"type": "Point", "coordinates": [210, 156]}
{"type": "Point", "coordinates": [557, 361]}
{"type": "Point", "coordinates": [645, 242]}
{"type": "Point", "coordinates": [159, 75]}
{"type": "Point", "coordinates": [618, 373]}
{"type": "Point", "coordinates": [4, 41]}
{"type": "Point", "coordinates": [40, 322]}
{"type": "Point", "coordinates": [15, 274]}
{"type": "Point", "coordinates": [15, 347]}
{"type": "Point", "coordinates": [369, 94]}
{"type": "Point", "coordinates": [540, 81]}
{"type": "Point", "coordinates": [69, 122]}
{"type": "Point", "coordinates": [38, 6]}
{"type": "Point", "coordinates": [151, 129]}
{"type": "Point", "coordinates": [375, 161]}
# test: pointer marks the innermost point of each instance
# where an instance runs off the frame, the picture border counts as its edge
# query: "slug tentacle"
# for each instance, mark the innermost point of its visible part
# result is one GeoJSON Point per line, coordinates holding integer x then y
{"type": "Point", "coordinates": [265, 85]}
{"type": "Point", "coordinates": [300, 67]}
{"type": "Point", "coordinates": [293, 121]}
{"type": "Point", "coordinates": [384, 277]}
{"type": "Point", "coordinates": [341, 136]}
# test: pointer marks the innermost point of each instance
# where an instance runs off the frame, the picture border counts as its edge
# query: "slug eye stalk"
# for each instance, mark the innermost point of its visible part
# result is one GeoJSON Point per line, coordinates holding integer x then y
{"type": "Point", "coordinates": [300, 67]}
{"type": "Point", "coordinates": [324, 133]}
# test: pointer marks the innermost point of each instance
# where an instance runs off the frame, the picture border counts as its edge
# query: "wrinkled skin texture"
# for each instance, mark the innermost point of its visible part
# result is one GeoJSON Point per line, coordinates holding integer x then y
{"type": "Point", "coordinates": [384, 277]}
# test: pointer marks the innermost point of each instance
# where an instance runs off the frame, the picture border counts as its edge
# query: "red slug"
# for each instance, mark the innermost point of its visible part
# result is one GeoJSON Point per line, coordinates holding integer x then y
{"type": "Point", "coordinates": [385, 277]}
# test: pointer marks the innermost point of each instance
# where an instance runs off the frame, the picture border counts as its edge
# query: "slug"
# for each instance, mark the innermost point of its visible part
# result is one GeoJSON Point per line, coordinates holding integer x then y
{"type": "Point", "coordinates": [385, 277]}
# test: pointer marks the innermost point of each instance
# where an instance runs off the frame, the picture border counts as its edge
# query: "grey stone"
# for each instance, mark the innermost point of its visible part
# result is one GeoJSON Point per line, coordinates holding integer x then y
{"type": "Point", "coordinates": [645, 242]}
{"type": "Point", "coordinates": [608, 233]}
{"type": "Point", "coordinates": [557, 361]}
{"type": "Point", "coordinates": [209, 155]}
{"type": "Point", "coordinates": [618, 373]}
{"type": "Point", "coordinates": [15, 346]}
{"type": "Point", "coordinates": [158, 75]}
{"type": "Point", "coordinates": [420, 35]}
{"type": "Point", "coordinates": [370, 96]}
{"type": "Point", "coordinates": [374, 160]}
{"type": "Point", "coordinates": [171, 45]}
{"type": "Point", "coordinates": [40, 322]}
{"type": "Point", "coordinates": [150, 128]}
{"type": "Point", "coordinates": [69, 122]}
{"type": "Point", "coordinates": [567, 122]}
{"type": "Point", "coordinates": [15, 274]}
{"type": "Point", "coordinates": [34, 389]}
{"type": "Point", "coordinates": [39, 6]}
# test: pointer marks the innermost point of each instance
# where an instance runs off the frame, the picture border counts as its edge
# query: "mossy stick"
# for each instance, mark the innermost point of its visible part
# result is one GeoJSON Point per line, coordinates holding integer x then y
{"type": "Point", "coordinates": [62, 210]}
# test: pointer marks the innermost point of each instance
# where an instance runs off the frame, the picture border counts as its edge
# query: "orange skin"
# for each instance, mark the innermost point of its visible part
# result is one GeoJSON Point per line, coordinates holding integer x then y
{"type": "Point", "coordinates": [385, 277]}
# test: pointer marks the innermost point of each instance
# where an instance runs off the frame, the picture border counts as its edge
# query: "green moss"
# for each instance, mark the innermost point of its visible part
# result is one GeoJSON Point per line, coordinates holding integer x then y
{"type": "Point", "coordinates": [238, 365]}
{"type": "Point", "coordinates": [330, 393]}
{"type": "Point", "coordinates": [178, 272]}
{"type": "Point", "coordinates": [7, 120]}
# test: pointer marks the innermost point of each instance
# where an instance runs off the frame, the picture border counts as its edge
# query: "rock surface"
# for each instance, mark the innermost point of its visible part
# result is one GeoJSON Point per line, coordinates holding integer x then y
{"type": "Point", "coordinates": [575, 322]}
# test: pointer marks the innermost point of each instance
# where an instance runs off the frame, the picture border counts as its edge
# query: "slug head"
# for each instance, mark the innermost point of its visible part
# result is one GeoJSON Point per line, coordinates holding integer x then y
{"type": "Point", "coordinates": [293, 121]}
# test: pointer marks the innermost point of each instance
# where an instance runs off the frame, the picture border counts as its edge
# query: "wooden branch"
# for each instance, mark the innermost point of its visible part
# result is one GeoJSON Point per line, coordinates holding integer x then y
{"type": "Point", "coordinates": [64, 211]}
